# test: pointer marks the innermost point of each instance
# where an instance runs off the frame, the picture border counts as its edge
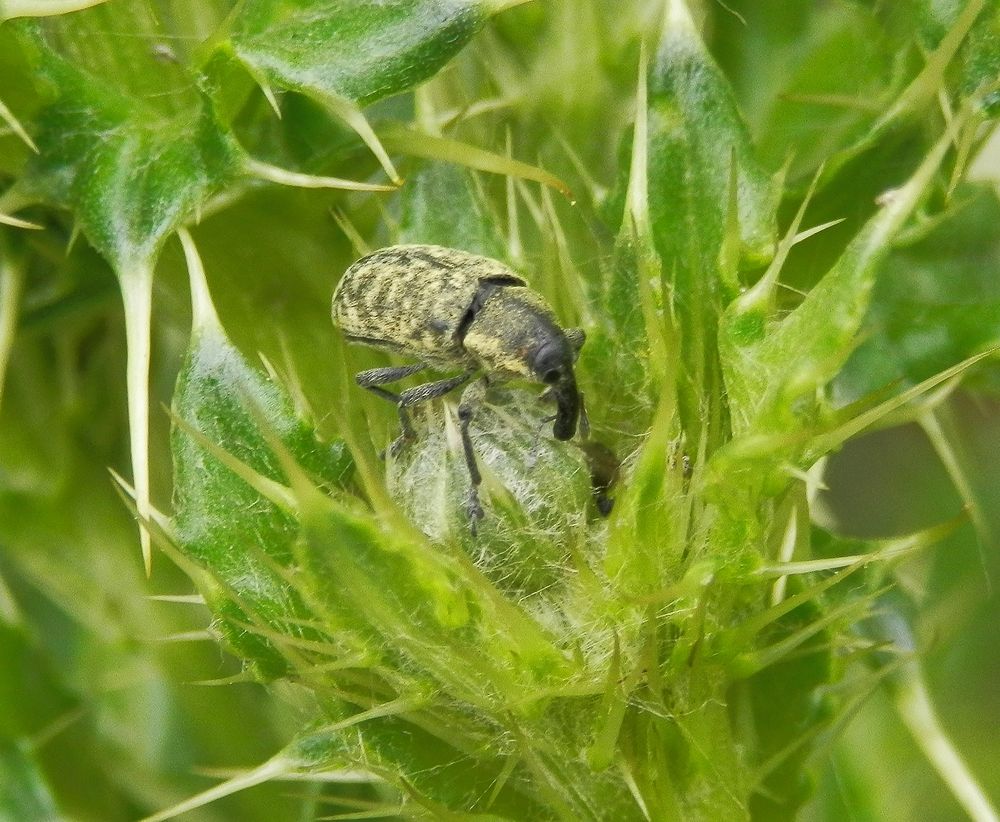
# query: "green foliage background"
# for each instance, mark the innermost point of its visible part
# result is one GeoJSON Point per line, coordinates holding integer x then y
{"type": "Point", "coordinates": [750, 637]}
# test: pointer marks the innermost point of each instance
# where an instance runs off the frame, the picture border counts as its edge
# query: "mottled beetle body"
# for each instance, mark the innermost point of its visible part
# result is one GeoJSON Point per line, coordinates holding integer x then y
{"type": "Point", "coordinates": [450, 309]}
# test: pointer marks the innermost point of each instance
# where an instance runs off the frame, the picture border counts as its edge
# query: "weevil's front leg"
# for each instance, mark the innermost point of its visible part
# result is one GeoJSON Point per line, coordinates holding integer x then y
{"type": "Point", "coordinates": [472, 398]}
{"type": "Point", "coordinates": [584, 425]}
{"type": "Point", "coordinates": [374, 378]}
{"type": "Point", "coordinates": [424, 393]}
{"type": "Point", "coordinates": [432, 390]}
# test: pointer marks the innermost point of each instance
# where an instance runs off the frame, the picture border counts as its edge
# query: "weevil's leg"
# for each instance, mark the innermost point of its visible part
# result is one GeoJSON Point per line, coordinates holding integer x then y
{"type": "Point", "coordinates": [432, 390]}
{"type": "Point", "coordinates": [548, 395]}
{"type": "Point", "coordinates": [539, 432]}
{"type": "Point", "coordinates": [374, 378]}
{"type": "Point", "coordinates": [584, 425]}
{"type": "Point", "coordinates": [548, 419]}
{"type": "Point", "coordinates": [472, 398]}
{"type": "Point", "coordinates": [419, 394]}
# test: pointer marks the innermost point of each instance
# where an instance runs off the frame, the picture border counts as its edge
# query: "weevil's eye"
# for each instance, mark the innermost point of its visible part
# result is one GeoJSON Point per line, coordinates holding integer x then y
{"type": "Point", "coordinates": [548, 360]}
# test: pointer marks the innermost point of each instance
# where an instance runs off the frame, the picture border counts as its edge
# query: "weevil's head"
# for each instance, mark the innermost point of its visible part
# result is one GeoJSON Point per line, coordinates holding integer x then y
{"type": "Point", "coordinates": [513, 334]}
{"type": "Point", "coordinates": [552, 363]}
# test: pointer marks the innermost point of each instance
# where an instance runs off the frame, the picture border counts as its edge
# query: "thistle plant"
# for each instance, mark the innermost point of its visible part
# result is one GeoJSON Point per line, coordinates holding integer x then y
{"type": "Point", "coordinates": [779, 229]}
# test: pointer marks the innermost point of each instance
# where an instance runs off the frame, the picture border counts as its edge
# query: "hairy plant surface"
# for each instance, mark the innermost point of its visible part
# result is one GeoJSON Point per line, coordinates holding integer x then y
{"type": "Point", "coordinates": [778, 224]}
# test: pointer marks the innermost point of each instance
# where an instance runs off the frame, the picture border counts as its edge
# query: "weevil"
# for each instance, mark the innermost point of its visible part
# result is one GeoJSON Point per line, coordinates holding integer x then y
{"type": "Point", "coordinates": [453, 310]}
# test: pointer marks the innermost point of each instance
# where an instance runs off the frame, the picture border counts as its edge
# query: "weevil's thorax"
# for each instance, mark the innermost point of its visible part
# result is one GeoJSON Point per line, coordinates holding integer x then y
{"type": "Point", "coordinates": [512, 325]}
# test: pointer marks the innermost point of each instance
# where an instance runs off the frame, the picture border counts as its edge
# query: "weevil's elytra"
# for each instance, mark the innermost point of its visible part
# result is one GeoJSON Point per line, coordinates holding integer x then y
{"type": "Point", "coordinates": [454, 310]}
{"type": "Point", "coordinates": [413, 299]}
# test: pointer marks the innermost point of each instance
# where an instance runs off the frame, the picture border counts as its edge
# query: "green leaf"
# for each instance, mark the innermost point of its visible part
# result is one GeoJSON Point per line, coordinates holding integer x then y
{"type": "Point", "coordinates": [222, 522]}
{"type": "Point", "coordinates": [772, 365]}
{"type": "Point", "coordinates": [810, 78]}
{"type": "Point", "coordinates": [696, 134]}
{"type": "Point", "coordinates": [447, 608]}
{"type": "Point", "coordinates": [936, 302]}
{"type": "Point", "coordinates": [441, 206]}
{"type": "Point", "coordinates": [424, 766]}
{"type": "Point", "coordinates": [37, 778]}
{"type": "Point", "coordinates": [24, 794]}
{"type": "Point", "coordinates": [700, 197]}
{"type": "Point", "coordinates": [29, 681]}
{"type": "Point", "coordinates": [130, 174]}
{"type": "Point", "coordinates": [359, 51]}
{"type": "Point", "coordinates": [978, 61]}
{"type": "Point", "coordinates": [981, 59]}
{"type": "Point", "coordinates": [777, 369]}
{"type": "Point", "coordinates": [348, 55]}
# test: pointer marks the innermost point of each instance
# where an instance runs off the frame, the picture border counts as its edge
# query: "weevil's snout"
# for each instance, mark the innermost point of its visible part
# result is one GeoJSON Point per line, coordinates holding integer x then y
{"type": "Point", "coordinates": [553, 364]}
{"type": "Point", "coordinates": [567, 408]}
